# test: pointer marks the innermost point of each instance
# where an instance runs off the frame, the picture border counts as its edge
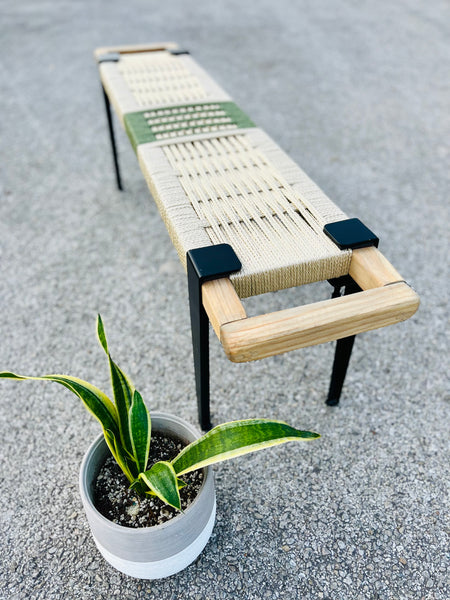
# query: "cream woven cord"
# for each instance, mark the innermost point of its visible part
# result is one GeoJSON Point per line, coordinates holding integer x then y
{"type": "Point", "coordinates": [224, 190]}
{"type": "Point", "coordinates": [160, 79]}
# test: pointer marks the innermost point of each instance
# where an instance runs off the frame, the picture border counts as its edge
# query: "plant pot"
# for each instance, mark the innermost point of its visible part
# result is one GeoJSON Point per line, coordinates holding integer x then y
{"type": "Point", "coordinates": [150, 552]}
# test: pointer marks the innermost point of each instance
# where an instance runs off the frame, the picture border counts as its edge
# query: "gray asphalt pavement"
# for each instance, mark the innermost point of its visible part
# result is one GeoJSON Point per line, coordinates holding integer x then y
{"type": "Point", "coordinates": [357, 93]}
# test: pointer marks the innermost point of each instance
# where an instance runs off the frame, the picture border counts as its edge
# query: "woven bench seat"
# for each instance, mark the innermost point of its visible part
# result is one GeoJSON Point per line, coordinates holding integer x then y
{"type": "Point", "coordinates": [219, 181]}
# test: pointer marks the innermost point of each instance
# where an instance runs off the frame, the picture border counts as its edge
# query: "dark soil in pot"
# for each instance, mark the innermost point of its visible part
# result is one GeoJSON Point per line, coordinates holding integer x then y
{"type": "Point", "coordinates": [116, 502]}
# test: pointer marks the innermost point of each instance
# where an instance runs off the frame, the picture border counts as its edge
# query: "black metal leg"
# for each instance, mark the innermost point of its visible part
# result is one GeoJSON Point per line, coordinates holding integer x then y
{"type": "Point", "coordinates": [341, 360]}
{"type": "Point", "coordinates": [200, 346]}
{"type": "Point", "coordinates": [112, 138]}
{"type": "Point", "coordinates": [344, 346]}
{"type": "Point", "coordinates": [205, 264]}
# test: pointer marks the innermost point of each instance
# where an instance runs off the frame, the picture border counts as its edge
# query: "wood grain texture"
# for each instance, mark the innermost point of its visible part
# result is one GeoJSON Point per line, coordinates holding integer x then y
{"type": "Point", "coordinates": [370, 269]}
{"type": "Point", "coordinates": [275, 333]}
{"type": "Point", "coordinates": [221, 303]}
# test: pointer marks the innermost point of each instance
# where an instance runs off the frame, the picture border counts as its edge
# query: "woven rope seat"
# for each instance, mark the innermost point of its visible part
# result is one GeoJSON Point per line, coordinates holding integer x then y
{"type": "Point", "coordinates": [221, 182]}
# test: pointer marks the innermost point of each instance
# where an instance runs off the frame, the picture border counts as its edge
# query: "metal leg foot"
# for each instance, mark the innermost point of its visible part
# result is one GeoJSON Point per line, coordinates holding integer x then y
{"type": "Point", "coordinates": [344, 346]}
{"type": "Point", "coordinates": [341, 360]}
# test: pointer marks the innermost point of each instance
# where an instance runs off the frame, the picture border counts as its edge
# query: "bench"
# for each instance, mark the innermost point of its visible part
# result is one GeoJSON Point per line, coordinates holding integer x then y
{"type": "Point", "coordinates": [244, 218]}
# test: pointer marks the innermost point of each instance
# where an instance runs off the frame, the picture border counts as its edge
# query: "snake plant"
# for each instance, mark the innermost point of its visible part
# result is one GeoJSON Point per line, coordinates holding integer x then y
{"type": "Point", "coordinates": [126, 427]}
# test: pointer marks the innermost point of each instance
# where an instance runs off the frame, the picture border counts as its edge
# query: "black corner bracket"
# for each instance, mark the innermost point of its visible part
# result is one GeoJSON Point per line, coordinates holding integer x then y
{"type": "Point", "coordinates": [205, 264]}
{"type": "Point", "coordinates": [212, 262]}
{"type": "Point", "coordinates": [351, 234]}
{"type": "Point", "coordinates": [109, 57]}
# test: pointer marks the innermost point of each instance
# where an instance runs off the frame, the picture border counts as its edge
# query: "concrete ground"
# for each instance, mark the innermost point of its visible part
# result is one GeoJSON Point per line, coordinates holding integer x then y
{"type": "Point", "coordinates": [358, 94]}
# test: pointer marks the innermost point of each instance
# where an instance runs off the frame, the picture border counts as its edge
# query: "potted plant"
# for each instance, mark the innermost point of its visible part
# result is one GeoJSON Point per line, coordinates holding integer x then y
{"type": "Point", "coordinates": [146, 483]}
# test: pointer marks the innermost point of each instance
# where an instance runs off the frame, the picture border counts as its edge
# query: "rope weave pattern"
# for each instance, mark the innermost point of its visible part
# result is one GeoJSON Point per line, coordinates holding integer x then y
{"type": "Point", "coordinates": [160, 79]}
{"type": "Point", "coordinates": [186, 121]}
{"type": "Point", "coordinates": [237, 196]}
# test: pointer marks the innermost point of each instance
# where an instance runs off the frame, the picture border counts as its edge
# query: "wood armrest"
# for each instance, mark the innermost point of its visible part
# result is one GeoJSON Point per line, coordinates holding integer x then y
{"type": "Point", "coordinates": [386, 299]}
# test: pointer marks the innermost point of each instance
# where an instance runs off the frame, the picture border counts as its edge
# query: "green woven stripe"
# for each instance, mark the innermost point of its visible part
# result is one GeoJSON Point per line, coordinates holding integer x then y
{"type": "Point", "coordinates": [185, 120]}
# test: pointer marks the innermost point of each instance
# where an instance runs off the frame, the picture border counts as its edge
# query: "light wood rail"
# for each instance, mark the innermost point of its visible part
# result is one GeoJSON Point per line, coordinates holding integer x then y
{"type": "Point", "coordinates": [386, 300]}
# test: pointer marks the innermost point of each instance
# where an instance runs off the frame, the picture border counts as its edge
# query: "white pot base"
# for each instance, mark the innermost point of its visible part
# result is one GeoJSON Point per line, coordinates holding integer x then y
{"type": "Point", "coordinates": [162, 568]}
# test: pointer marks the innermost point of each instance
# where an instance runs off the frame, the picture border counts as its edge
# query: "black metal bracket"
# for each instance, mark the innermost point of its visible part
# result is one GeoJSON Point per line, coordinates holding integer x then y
{"type": "Point", "coordinates": [109, 57]}
{"type": "Point", "coordinates": [205, 264]}
{"type": "Point", "coordinates": [178, 51]}
{"type": "Point", "coordinates": [351, 233]}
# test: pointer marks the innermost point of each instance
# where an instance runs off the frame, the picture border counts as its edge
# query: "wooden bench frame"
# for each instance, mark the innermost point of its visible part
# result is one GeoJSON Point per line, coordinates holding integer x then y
{"type": "Point", "coordinates": [386, 299]}
{"type": "Point", "coordinates": [375, 295]}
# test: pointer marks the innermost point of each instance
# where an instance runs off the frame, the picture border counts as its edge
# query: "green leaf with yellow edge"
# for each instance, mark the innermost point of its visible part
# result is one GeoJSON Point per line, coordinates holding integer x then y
{"type": "Point", "coordinates": [141, 488]}
{"type": "Point", "coordinates": [235, 439]}
{"type": "Point", "coordinates": [123, 395]}
{"type": "Point", "coordinates": [140, 431]}
{"type": "Point", "coordinates": [119, 455]}
{"type": "Point", "coordinates": [162, 481]}
{"type": "Point", "coordinates": [180, 483]}
{"type": "Point", "coordinates": [101, 334]}
{"type": "Point", "coordinates": [122, 388]}
{"type": "Point", "coordinates": [94, 399]}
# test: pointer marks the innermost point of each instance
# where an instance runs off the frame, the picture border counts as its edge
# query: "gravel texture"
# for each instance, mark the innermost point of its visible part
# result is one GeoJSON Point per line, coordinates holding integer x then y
{"type": "Point", "coordinates": [358, 94]}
